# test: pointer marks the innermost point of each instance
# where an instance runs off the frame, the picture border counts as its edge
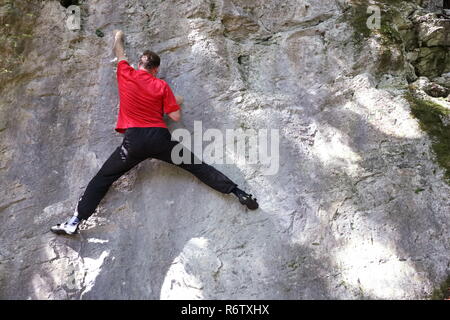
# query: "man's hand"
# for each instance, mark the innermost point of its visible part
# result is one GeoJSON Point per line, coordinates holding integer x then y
{"type": "Point", "coordinates": [118, 35]}
{"type": "Point", "coordinates": [118, 49]}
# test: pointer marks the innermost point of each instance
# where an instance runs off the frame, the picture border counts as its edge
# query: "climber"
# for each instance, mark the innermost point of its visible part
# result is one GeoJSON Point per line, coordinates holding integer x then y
{"type": "Point", "coordinates": [143, 100]}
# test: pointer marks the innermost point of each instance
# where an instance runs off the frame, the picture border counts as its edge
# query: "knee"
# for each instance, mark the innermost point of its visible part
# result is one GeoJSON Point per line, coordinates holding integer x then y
{"type": "Point", "coordinates": [123, 153]}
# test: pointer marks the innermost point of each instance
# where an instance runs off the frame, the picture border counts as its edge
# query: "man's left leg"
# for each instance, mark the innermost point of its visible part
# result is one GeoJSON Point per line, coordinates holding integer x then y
{"type": "Point", "coordinates": [117, 164]}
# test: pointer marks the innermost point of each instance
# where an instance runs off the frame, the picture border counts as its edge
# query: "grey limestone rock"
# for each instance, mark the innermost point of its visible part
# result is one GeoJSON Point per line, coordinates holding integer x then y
{"type": "Point", "coordinates": [359, 208]}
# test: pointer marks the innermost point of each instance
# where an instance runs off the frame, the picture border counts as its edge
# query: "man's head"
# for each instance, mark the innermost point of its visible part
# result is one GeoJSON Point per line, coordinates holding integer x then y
{"type": "Point", "coordinates": [149, 61]}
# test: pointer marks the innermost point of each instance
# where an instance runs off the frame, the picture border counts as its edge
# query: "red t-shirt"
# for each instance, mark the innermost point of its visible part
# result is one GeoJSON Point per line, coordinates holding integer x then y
{"type": "Point", "coordinates": [143, 98]}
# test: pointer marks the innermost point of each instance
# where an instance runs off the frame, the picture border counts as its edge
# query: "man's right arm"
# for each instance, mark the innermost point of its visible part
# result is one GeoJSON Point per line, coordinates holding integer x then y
{"type": "Point", "coordinates": [175, 116]}
{"type": "Point", "coordinates": [172, 104]}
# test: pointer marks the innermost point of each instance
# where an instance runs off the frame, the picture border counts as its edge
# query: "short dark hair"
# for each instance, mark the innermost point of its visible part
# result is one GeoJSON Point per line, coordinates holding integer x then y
{"type": "Point", "coordinates": [149, 60]}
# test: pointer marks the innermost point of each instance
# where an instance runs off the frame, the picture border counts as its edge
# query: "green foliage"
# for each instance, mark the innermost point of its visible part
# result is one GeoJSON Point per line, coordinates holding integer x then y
{"type": "Point", "coordinates": [390, 35]}
{"type": "Point", "coordinates": [293, 265]}
{"type": "Point", "coordinates": [443, 291]}
{"type": "Point", "coordinates": [99, 33]}
{"type": "Point", "coordinates": [357, 15]}
{"type": "Point", "coordinates": [430, 116]}
{"type": "Point", "coordinates": [418, 190]}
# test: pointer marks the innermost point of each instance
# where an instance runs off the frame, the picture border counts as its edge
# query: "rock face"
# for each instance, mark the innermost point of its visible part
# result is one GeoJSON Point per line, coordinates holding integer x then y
{"type": "Point", "coordinates": [359, 208]}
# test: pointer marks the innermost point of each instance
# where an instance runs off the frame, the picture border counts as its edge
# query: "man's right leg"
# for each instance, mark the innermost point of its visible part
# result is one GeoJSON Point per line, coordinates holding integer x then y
{"type": "Point", "coordinates": [207, 174]}
{"type": "Point", "coordinates": [204, 172]}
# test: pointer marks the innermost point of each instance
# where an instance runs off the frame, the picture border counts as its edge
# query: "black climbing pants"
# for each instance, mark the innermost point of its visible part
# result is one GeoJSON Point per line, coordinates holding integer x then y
{"type": "Point", "coordinates": [140, 144]}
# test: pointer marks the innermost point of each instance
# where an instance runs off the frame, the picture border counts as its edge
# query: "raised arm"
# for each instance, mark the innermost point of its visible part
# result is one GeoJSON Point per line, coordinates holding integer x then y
{"type": "Point", "coordinates": [119, 47]}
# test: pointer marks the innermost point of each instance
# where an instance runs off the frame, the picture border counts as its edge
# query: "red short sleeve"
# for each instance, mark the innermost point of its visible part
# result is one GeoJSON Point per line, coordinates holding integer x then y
{"type": "Point", "coordinates": [124, 69]}
{"type": "Point", "coordinates": [169, 101]}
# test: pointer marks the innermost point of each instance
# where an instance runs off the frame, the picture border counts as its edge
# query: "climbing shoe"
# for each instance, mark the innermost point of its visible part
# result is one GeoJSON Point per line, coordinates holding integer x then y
{"type": "Point", "coordinates": [69, 227]}
{"type": "Point", "coordinates": [245, 199]}
{"type": "Point", "coordinates": [249, 201]}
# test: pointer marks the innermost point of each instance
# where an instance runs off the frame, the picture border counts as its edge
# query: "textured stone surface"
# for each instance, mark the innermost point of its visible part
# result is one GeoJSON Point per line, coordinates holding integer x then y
{"type": "Point", "coordinates": [429, 50]}
{"type": "Point", "coordinates": [359, 208]}
{"type": "Point", "coordinates": [432, 89]}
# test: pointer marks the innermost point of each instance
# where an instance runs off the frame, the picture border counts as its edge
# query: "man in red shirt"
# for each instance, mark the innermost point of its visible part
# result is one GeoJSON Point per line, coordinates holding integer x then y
{"type": "Point", "coordinates": [144, 99]}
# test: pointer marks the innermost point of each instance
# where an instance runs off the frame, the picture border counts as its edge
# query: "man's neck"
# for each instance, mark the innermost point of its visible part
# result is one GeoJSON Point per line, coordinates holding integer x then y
{"type": "Point", "coordinates": [152, 72]}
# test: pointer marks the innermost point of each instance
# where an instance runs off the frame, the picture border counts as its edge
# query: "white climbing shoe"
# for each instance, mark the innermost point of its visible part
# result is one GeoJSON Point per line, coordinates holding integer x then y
{"type": "Point", "coordinates": [65, 228]}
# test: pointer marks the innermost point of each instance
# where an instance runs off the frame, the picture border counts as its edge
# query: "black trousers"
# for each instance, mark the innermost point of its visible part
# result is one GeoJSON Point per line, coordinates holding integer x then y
{"type": "Point", "coordinates": [140, 144]}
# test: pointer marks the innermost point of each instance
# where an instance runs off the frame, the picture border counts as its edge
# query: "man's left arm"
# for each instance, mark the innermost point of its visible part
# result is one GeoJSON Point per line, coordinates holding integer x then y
{"type": "Point", "coordinates": [119, 46]}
